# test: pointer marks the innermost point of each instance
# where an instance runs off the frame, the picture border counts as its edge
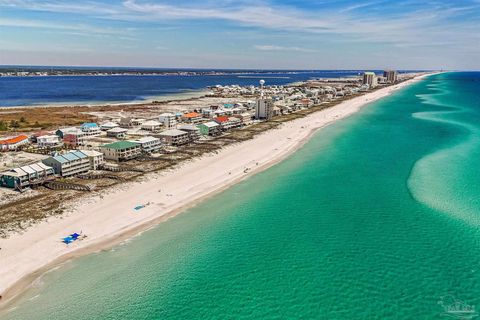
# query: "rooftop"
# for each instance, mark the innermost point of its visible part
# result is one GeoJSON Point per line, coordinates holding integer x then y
{"type": "Point", "coordinates": [192, 115]}
{"type": "Point", "coordinates": [109, 124]}
{"type": "Point", "coordinates": [151, 123]}
{"type": "Point", "coordinates": [30, 169]}
{"type": "Point", "coordinates": [70, 156]}
{"type": "Point", "coordinates": [210, 124]}
{"type": "Point", "coordinates": [89, 125]}
{"type": "Point", "coordinates": [13, 140]}
{"type": "Point", "coordinates": [120, 145]}
{"type": "Point", "coordinates": [91, 153]}
{"type": "Point", "coordinates": [173, 132]}
{"type": "Point", "coordinates": [221, 119]}
{"type": "Point", "coordinates": [117, 130]}
{"type": "Point", "coordinates": [145, 139]}
{"type": "Point", "coordinates": [189, 127]}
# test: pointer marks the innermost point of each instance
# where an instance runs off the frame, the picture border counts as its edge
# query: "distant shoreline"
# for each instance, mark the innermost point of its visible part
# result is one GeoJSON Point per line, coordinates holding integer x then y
{"type": "Point", "coordinates": [108, 221]}
{"type": "Point", "coordinates": [133, 73]}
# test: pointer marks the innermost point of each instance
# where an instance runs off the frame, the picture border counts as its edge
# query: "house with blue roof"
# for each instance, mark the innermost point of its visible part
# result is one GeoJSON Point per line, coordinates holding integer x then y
{"type": "Point", "coordinates": [90, 129]}
{"type": "Point", "coordinates": [69, 164]}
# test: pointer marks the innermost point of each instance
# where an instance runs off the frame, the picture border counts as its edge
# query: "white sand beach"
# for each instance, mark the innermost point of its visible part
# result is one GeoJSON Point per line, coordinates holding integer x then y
{"type": "Point", "coordinates": [112, 218]}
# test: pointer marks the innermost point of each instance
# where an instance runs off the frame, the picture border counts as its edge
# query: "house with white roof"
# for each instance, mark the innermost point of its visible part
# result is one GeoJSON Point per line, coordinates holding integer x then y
{"type": "Point", "coordinates": [149, 144]}
{"type": "Point", "coordinates": [96, 158]}
{"type": "Point", "coordinates": [108, 125]}
{"type": "Point", "coordinates": [174, 137]}
{"type": "Point", "coordinates": [169, 120]}
{"type": "Point", "coordinates": [22, 177]}
{"type": "Point", "coordinates": [49, 141]}
{"type": "Point", "coordinates": [192, 130]}
{"type": "Point", "coordinates": [151, 125]}
{"type": "Point", "coordinates": [117, 132]}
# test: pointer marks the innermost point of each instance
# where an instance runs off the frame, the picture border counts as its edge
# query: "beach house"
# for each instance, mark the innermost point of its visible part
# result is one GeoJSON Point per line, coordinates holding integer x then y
{"type": "Point", "coordinates": [13, 143]}
{"type": "Point", "coordinates": [151, 125]}
{"type": "Point", "coordinates": [174, 137]}
{"type": "Point", "coordinates": [71, 136]}
{"type": "Point", "coordinates": [96, 159]}
{"type": "Point", "coordinates": [91, 129]}
{"type": "Point", "coordinates": [192, 130]}
{"type": "Point", "coordinates": [74, 139]}
{"type": "Point", "coordinates": [126, 122]}
{"type": "Point", "coordinates": [69, 164]}
{"type": "Point", "coordinates": [192, 117]}
{"type": "Point", "coordinates": [169, 120]}
{"type": "Point", "coordinates": [121, 150]}
{"type": "Point", "coordinates": [227, 123]}
{"type": "Point", "coordinates": [34, 136]}
{"type": "Point", "coordinates": [245, 118]}
{"type": "Point", "coordinates": [22, 177]}
{"type": "Point", "coordinates": [208, 113]}
{"type": "Point", "coordinates": [149, 144]}
{"type": "Point", "coordinates": [117, 132]}
{"type": "Point", "coordinates": [210, 128]}
{"type": "Point", "coordinates": [108, 125]}
{"type": "Point", "coordinates": [49, 141]}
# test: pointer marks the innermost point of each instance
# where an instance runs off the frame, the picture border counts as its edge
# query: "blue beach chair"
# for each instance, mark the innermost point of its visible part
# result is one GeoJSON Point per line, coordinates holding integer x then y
{"type": "Point", "coordinates": [67, 240]}
{"type": "Point", "coordinates": [75, 236]}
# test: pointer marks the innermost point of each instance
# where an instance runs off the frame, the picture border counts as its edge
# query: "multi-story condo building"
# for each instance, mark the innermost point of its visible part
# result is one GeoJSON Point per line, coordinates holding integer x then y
{"type": "Point", "coordinates": [149, 144]}
{"type": "Point", "coordinates": [96, 159]}
{"type": "Point", "coordinates": [121, 150]}
{"type": "Point", "coordinates": [69, 164]}
{"type": "Point", "coordinates": [174, 137]}
{"type": "Point", "coordinates": [264, 109]}
{"type": "Point", "coordinates": [390, 76]}
{"type": "Point", "coordinates": [168, 119]}
{"type": "Point", "coordinates": [370, 78]}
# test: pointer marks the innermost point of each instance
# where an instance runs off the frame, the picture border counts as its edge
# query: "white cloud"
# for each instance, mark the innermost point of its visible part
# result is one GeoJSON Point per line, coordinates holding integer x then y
{"type": "Point", "coordinates": [410, 23]}
{"type": "Point", "coordinates": [400, 29]}
{"type": "Point", "coordinates": [84, 28]}
{"type": "Point", "coordinates": [281, 48]}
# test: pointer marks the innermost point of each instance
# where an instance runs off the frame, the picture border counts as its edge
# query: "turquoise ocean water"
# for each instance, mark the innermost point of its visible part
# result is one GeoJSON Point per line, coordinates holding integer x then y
{"type": "Point", "coordinates": [377, 217]}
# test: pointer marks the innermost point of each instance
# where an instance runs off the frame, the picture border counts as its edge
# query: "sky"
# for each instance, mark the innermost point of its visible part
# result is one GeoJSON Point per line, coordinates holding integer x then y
{"type": "Point", "coordinates": [266, 34]}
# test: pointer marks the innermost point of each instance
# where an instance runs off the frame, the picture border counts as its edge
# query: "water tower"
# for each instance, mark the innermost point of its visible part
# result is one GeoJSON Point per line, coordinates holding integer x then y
{"type": "Point", "coordinates": [262, 82]}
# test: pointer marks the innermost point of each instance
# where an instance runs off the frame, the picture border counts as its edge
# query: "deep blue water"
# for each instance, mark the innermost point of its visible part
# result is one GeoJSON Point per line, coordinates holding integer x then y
{"type": "Point", "coordinates": [26, 91]}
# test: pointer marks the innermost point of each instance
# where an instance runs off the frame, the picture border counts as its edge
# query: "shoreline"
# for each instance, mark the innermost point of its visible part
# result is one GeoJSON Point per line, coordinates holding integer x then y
{"type": "Point", "coordinates": [107, 222]}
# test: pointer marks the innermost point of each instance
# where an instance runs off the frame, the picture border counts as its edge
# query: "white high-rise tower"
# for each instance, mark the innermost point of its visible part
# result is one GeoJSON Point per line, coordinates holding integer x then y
{"type": "Point", "coordinates": [264, 107]}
